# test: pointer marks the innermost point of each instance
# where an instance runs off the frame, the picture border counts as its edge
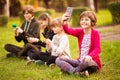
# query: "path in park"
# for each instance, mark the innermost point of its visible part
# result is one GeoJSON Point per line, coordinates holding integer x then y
{"type": "Point", "coordinates": [112, 33]}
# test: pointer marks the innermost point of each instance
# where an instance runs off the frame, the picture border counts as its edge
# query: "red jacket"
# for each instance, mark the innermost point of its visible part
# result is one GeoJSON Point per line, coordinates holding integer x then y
{"type": "Point", "coordinates": [94, 44]}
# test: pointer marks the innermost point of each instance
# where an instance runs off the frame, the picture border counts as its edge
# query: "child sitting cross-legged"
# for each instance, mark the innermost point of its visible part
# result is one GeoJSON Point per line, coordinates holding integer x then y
{"type": "Point", "coordinates": [58, 46]}
{"type": "Point", "coordinates": [89, 46]}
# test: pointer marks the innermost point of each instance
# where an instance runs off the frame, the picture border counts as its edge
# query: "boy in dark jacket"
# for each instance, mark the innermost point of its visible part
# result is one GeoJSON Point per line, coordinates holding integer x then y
{"type": "Point", "coordinates": [26, 33]}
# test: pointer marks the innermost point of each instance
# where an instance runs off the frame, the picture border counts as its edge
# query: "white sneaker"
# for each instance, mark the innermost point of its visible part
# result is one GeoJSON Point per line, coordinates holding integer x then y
{"type": "Point", "coordinates": [52, 65]}
{"type": "Point", "coordinates": [84, 73]}
{"type": "Point", "coordinates": [30, 62]}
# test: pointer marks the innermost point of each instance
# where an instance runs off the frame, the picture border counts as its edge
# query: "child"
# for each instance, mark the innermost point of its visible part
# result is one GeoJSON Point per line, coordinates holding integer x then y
{"type": "Point", "coordinates": [45, 21]}
{"type": "Point", "coordinates": [59, 46]}
{"type": "Point", "coordinates": [29, 29]}
{"type": "Point", "coordinates": [89, 46]}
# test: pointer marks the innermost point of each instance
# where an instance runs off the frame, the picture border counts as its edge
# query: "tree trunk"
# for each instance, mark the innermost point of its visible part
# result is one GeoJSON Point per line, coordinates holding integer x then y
{"type": "Point", "coordinates": [6, 8]}
{"type": "Point", "coordinates": [96, 5]}
{"type": "Point", "coordinates": [46, 3]}
{"type": "Point", "coordinates": [90, 4]}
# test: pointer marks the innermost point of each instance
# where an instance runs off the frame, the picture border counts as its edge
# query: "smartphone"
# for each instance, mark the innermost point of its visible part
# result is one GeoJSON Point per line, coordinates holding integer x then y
{"type": "Point", "coordinates": [69, 10]}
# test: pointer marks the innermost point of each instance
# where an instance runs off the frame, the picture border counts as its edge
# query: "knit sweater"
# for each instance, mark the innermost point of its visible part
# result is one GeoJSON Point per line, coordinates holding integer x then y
{"type": "Point", "coordinates": [60, 46]}
{"type": "Point", "coordinates": [94, 49]}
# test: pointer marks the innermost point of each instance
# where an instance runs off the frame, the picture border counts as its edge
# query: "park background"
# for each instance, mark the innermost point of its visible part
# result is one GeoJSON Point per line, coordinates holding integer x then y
{"type": "Point", "coordinates": [108, 24]}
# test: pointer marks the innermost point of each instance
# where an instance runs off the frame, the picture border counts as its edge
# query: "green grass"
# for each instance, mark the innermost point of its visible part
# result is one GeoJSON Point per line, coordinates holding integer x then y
{"type": "Point", "coordinates": [16, 69]}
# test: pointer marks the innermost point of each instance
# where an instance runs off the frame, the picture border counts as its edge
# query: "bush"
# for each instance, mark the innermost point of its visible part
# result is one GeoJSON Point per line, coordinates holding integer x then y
{"type": "Point", "coordinates": [3, 20]}
{"type": "Point", "coordinates": [115, 11]}
{"type": "Point", "coordinates": [75, 15]}
{"type": "Point", "coordinates": [36, 14]}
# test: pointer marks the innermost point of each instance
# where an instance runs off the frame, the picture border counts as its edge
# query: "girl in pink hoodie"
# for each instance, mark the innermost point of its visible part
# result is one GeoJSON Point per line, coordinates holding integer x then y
{"type": "Point", "coordinates": [89, 46]}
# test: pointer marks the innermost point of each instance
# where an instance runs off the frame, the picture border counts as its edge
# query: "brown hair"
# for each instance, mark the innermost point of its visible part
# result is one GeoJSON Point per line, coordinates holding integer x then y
{"type": "Point", "coordinates": [56, 22]}
{"type": "Point", "coordinates": [44, 16]}
{"type": "Point", "coordinates": [29, 9]}
{"type": "Point", "coordinates": [91, 15]}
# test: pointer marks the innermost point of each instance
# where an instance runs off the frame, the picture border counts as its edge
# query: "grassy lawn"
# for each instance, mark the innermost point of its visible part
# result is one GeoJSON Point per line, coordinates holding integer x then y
{"type": "Point", "coordinates": [16, 69]}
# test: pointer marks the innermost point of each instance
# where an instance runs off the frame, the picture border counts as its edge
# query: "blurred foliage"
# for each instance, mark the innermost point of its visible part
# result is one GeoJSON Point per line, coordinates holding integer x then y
{"type": "Point", "coordinates": [15, 7]}
{"type": "Point", "coordinates": [58, 5]}
{"type": "Point", "coordinates": [114, 8]}
{"type": "Point", "coordinates": [75, 15]}
{"type": "Point", "coordinates": [2, 2]}
{"type": "Point", "coordinates": [37, 13]}
{"type": "Point", "coordinates": [3, 20]}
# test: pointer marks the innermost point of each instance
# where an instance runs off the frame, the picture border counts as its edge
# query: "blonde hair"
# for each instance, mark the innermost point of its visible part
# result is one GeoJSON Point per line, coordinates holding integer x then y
{"type": "Point", "coordinates": [56, 22]}
{"type": "Point", "coordinates": [91, 15]}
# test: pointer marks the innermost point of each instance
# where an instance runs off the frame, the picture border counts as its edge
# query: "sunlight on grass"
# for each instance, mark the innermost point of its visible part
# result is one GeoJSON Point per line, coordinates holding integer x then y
{"type": "Point", "coordinates": [104, 17]}
{"type": "Point", "coordinates": [14, 21]}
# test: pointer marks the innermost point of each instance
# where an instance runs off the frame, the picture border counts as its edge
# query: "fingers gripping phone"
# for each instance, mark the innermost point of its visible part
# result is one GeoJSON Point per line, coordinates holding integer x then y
{"type": "Point", "coordinates": [69, 10]}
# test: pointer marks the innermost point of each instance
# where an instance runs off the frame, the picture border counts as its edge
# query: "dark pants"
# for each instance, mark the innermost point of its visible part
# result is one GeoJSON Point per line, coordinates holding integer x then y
{"type": "Point", "coordinates": [19, 51]}
{"type": "Point", "coordinates": [26, 48]}
{"type": "Point", "coordinates": [44, 56]}
{"type": "Point", "coordinates": [37, 55]}
{"type": "Point", "coordinates": [51, 60]}
{"type": "Point", "coordinates": [13, 49]}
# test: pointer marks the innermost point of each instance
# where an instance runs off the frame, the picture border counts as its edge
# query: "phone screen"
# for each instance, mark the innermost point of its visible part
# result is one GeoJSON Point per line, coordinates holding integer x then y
{"type": "Point", "coordinates": [69, 10]}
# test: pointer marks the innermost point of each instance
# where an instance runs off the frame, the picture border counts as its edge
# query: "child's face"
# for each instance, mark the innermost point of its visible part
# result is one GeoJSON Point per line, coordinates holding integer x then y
{"type": "Point", "coordinates": [27, 16]}
{"type": "Point", "coordinates": [57, 29]}
{"type": "Point", "coordinates": [85, 22]}
{"type": "Point", "coordinates": [43, 23]}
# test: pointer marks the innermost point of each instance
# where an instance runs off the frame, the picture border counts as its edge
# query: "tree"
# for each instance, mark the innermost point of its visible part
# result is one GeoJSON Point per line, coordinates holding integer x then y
{"type": "Point", "coordinates": [46, 3]}
{"type": "Point", "coordinates": [2, 4]}
{"type": "Point", "coordinates": [6, 8]}
{"type": "Point", "coordinates": [96, 5]}
{"type": "Point", "coordinates": [15, 7]}
{"type": "Point", "coordinates": [90, 4]}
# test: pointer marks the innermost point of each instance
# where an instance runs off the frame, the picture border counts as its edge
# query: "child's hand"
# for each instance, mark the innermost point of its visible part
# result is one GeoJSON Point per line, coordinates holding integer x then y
{"type": "Point", "coordinates": [65, 18]}
{"type": "Point", "coordinates": [87, 58]}
{"type": "Point", "coordinates": [48, 42]}
{"type": "Point", "coordinates": [18, 31]}
{"type": "Point", "coordinates": [32, 40]}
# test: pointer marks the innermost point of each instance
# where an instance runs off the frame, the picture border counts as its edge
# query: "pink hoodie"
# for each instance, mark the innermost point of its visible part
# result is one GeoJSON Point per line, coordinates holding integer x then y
{"type": "Point", "coordinates": [94, 45]}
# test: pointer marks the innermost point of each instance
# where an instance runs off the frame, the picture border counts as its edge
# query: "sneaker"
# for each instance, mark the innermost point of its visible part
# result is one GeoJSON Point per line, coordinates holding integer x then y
{"type": "Point", "coordinates": [84, 73]}
{"type": "Point", "coordinates": [52, 65]}
{"type": "Point", "coordinates": [30, 62]}
{"type": "Point", "coordinates": [28, 58]}
{"type": "Point", "coordinates": [39, 62]}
